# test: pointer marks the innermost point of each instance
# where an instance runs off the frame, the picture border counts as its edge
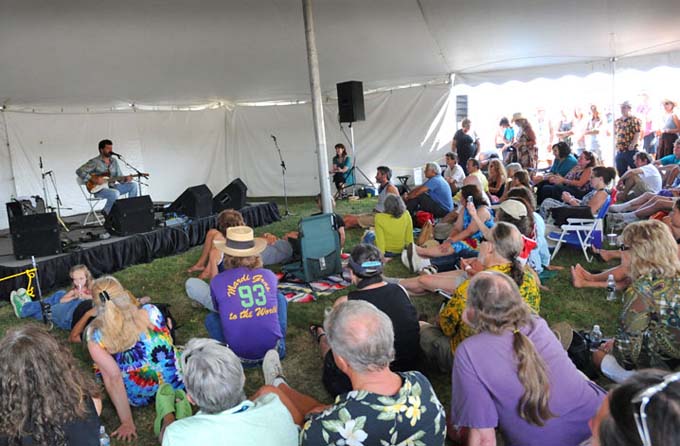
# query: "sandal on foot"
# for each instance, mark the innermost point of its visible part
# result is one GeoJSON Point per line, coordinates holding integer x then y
{"type": "Point", "coordinates": [165, 404]}
{"type": "Point", "coordinates": [314, 332]}
{"type": "Point", "coordinates": [182, 405]}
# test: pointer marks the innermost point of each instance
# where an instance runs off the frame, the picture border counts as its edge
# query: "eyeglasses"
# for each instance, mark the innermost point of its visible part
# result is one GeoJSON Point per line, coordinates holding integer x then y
{"type": "Point", "coordinates": [644, 397]}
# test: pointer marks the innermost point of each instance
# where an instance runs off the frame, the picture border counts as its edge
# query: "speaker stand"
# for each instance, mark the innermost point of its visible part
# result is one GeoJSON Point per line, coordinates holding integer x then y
{"type": "Point", "coordinates": [355, 165]}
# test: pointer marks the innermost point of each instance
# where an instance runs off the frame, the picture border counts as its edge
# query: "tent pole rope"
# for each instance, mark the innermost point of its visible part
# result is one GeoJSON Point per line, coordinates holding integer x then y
{"type": "Point", "coordinates": [317, 107]}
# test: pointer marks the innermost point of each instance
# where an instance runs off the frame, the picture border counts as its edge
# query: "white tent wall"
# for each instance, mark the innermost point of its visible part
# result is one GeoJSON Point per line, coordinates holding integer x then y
{"type": "Point", "coordinates": [6, 179]}
{"type": "Point", "coordinates": [404, 128]}
{"type": "Point", "coordinates": [178, 149]}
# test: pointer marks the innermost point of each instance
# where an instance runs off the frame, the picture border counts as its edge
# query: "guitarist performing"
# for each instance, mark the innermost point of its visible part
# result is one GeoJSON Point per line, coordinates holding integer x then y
{"type": "Point", "coordinates": [104, 178]}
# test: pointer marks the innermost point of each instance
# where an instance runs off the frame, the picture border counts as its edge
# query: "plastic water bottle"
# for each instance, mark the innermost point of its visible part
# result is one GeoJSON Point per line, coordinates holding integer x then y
{"type": "Point", "coordinates": [595, 336]}
{"type": "Point", "coordinates": [611, 288]}
{"type": "Point", "coordinates": [104, 439]}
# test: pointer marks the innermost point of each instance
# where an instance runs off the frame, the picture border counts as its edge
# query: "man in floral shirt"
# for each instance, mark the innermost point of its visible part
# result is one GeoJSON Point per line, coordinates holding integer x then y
{"type": "Point", "coordinates": [385, 408]}
{"type": "Point", "coordinates": [627, 130]}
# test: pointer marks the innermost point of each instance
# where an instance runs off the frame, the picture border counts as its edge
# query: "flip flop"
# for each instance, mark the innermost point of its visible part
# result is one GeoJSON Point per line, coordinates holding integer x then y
{"type": "Point", "coordinates": [314, 332]}
{"type": "Point", "coordinates": [165, 404]}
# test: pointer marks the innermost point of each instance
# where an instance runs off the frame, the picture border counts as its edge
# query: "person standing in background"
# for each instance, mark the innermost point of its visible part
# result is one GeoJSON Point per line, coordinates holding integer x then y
{"type": "Point", "coordinates": [465, 144]}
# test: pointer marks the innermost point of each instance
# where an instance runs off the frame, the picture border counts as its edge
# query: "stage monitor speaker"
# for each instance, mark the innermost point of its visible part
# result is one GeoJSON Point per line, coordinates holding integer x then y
{"type": "Point", "coordinates": [35, 235]}
{"type": "Point", "coordinates": [231, 197]}
{"type": "Point", "coordinates": [131, 216]}
{"type": "Point", "coordinates": [351, 101]}
{"type": "Point", "coordinates": [195, 202]}
{"type": "Point", "coordinates": [461, 107]}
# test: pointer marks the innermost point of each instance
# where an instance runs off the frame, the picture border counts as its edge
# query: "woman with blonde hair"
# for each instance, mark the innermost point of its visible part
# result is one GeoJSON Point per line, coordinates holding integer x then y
{"type": "Point", "coordinates": [133, 350]}
{"type": "Point", "coordinates": [46, 398]}
{"type": "Point", "coordinates": [497, 178]}
{"type": "Point", "coordinates": [514, 374]}
{"type": "Point", "coordinates": [649, 325]}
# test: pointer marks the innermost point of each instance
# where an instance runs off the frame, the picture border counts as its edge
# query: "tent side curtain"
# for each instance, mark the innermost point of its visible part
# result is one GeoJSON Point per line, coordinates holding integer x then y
{"type": "Point", "coordinates": [555, 71]}
{"type": "Point", "coordinates": [403, 129]}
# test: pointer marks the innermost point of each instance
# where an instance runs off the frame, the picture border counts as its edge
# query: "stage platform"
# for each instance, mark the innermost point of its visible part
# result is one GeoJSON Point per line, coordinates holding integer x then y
{"type": "Point", "coordinates": [115, 253]}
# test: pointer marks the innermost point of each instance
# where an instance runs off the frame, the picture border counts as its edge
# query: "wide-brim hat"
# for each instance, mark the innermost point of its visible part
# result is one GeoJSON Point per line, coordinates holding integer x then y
{"type": "Point", "coordinates": [626, 104]}
{"type": "Point", "coordinates": [564, 333]}
{"type": "Point", "coordinates": [241, 242]}
{"type": "Point", "coordinates": [669, 100]}
{"type": "Point", "coordinates": [517, 116]}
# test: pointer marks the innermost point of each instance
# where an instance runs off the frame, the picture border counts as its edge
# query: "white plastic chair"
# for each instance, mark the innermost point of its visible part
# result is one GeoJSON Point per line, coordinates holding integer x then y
{"type": "Point", "coordinates": [582, 232]}
{"type": "Point", "coordinates": [92, 218]}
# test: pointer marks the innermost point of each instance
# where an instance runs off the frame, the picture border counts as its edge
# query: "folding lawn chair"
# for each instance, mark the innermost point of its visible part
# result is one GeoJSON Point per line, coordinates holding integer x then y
{"type": "Point", "coordinates": [582, 232]}
{"type": "Point", "coordinates": [319, 249]}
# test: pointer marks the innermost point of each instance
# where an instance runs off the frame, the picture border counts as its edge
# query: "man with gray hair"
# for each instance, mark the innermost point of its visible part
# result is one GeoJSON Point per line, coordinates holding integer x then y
{"type": "Point", "coordinates": [398, 408]}
{"type": "Point", "coordinates": [214, 381]}
{"type": "Point", "coordinates": [433, 196]}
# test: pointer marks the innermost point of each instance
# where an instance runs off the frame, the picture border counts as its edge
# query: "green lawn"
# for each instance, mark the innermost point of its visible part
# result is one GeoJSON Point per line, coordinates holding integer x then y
{"type": "Point", "coordinates": [163, 280]}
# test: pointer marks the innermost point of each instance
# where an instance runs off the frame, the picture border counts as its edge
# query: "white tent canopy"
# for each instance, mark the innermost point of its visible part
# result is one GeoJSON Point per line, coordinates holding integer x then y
{"type": "Point", "coordinates": [69, 71]}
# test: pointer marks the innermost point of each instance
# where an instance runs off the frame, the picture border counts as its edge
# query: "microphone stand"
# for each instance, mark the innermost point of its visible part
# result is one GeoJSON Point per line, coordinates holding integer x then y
{"type": "Point", "coordinates": [283, 174]}
{"type": "Point", "coordinates": [60, 205]}
{"type": "Point", "coordinates": [139, 174]}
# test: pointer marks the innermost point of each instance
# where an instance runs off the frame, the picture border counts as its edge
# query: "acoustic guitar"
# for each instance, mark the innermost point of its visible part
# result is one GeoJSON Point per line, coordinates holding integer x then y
{"type": "Point", "coordinates": [93, 187]}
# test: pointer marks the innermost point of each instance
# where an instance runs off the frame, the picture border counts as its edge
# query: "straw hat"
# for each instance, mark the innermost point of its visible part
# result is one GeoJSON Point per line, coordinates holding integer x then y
{"type": "Point", "coordinates": [669, 100]}
{"type": "Point", "coordinates": [517, 116]}
{"type": "Point", "coordinates": [240, 242]}
{"type": "Point", "coordinates": [564, 334]}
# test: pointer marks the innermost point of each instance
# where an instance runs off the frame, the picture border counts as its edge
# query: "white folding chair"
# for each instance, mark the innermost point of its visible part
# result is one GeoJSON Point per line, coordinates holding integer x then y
{"type": "Point", "coordinates": [582, 232]}
{"type": "Point", "coordinates": [92, 218]}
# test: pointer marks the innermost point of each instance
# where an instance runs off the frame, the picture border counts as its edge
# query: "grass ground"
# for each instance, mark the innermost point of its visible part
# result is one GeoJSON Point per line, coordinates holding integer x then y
{"type": "Point", "coordinates": [163, 280]}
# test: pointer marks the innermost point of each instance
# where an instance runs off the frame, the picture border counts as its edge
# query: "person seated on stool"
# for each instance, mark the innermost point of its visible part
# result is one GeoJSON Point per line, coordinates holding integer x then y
{"type": "Point", "coordinates": [434, 196]}
{"type": "Point", "coordinates": [102, 166]}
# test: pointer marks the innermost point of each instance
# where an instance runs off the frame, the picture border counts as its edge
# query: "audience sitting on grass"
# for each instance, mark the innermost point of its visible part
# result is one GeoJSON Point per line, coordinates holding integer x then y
{"type": "Point", "coordinates": [463, 241]}
{"type": "Point", "coordinates": [500, 253]}
{"type": "Point", "coordinates": [539, 257]}
{"type": "Point", "coordinates": [383, 177]}
{"type": "Point", "coordinates": [669, 165]}
{"type": "Point", "coordinates": [366, 268]}
{"type": "Point", "coordinates": [513, 211]}
{"type": "Point", "coordinates": [474, 170]}
{"type": "Point", "coordinates": [513, 374]}
{"type": "Point", "coordinates": [393, 227]}
{"type": "Point", "coordinates": [211, 259]}
{"type": "Point", "coordinates": [649, 333]}
{"type": "Point", "coordinates": [62, 304]}
{"type": "Point", "coordinates": [214, 382]}
{"type": "Point", "coordinates": [132, 349]}
{"type": "Point", "coordinates": [247, 311]}
{"type": "Point", "coordinates": [645, 205]}
{"type": "Point", "coordinates": [510, 171]}
{"type": "Point", "coordinates": [384, 407]}
{"type": "Point", "coordinates": [433, 196]}
{"type": "Point", "coordinates": [47, 399]}
{"type": "Point", "coordinates": [586, 207]}
{"type": "Point", "coordinates": [444, 225]}
{"type": "Point", "coordinates": [497, 179]}
{"type": "Point", "coordinates": [644, 178]}
{"type": "Point", "coordinates": [576, 181]}
{"type": "Point", "coordinates": [643, 411]}
{"type": "Point", "coordinates": [454, 173]}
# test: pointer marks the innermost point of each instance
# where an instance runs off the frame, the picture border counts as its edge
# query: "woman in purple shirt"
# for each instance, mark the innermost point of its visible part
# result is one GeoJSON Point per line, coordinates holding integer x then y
{"type": "Point", "coordinates": [514, 374]}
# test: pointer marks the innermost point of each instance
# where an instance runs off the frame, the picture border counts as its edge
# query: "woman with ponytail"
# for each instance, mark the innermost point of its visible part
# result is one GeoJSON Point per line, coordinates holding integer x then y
{"type": "Point", "coordinates": [133, 350]}
{"type": "Point", "coordinates": [365, 266]}
{"type": "Point", "coordinates": [501, 253]}
{"type": "Point", "coordinates": [514, 374]}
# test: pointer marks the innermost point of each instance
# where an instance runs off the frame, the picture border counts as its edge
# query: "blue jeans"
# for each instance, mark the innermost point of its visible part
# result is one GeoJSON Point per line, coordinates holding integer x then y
{"type": "Point", "coordinates": [112, 193]}
{"type": "Point", "coordinates": [624, 161]}
{"type": "Point", "coordinates": [452, 261]}
{"type": "Point", "coordinates": [62, 314]}
{"type": "Point", "coordinates": [214, 327]}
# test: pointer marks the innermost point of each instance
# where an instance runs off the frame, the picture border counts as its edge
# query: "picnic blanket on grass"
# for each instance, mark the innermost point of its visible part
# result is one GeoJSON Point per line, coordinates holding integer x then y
{"type": "Point", "coordinates": [297, 290]}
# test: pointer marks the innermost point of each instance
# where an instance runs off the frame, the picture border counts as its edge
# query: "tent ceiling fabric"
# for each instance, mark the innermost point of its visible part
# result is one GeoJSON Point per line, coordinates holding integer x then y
{"type": "Point", "coordinates": [179, 52]}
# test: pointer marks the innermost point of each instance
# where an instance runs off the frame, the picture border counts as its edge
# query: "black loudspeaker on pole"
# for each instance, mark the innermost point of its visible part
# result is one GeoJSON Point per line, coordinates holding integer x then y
{"type": "Point", "coordinates": [351, 101]}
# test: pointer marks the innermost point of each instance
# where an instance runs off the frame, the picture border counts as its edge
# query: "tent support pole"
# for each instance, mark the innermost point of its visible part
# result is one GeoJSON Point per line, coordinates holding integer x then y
{"type": "Point", "coordinates": [317, 108]}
